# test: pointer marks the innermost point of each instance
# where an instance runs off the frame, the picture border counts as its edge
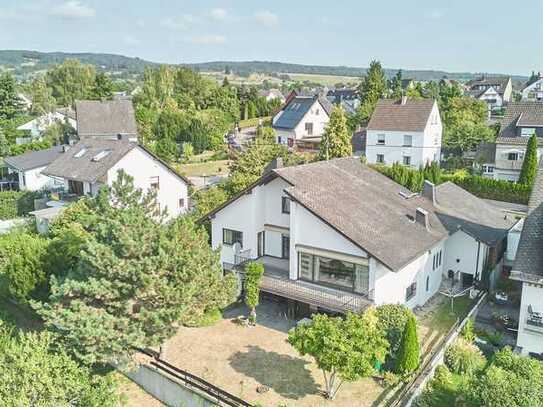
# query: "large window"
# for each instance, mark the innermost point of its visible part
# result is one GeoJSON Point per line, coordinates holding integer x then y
{"type": "Point", "coordinates": [229, 237]}
{"type": "Point", "coordinates": [333, 272]}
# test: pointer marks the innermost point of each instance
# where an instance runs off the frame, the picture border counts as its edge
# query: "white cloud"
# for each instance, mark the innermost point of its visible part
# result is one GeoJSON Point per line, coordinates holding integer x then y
{"type": "Point", "coordinates": [73, 9]}
{"type": "Point", "coordinates": [266, 18]}
{"type": "Point", "coordinates": [130, 40]}
{"type": "Point", "coordinates": [218, 14]}
{"type": "Point", "coordinates": [208, 40]}
{"type": "Point", "coordinates": [178, 23]}
{"type": "Point", "coordinates": [436, 14]}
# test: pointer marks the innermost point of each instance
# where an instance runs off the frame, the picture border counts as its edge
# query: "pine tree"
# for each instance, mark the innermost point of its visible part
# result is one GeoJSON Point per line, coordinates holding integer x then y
{"type": "Point", "coordinates": [529, 165]}
{"type": "Point", "coordinates": [135, 280]}
{"type": "Point", "coordinates": [396, 85]}
{"type": "Point", "coordinates": [409, 353]}
{"type": "Point", "coordinates": [374, 86]}
{"type": "Point", "coordinates": [336, 140]}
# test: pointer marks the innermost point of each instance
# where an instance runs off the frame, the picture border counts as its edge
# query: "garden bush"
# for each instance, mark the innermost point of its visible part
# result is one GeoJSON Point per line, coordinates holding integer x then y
{"type": "Point", "coordinates": [468, 331]}
{"type": "Point", "coordinates": [464, 357]}
{"type": "Point", "coordinates": [392, 319]}
{"type": "Point", "coordinates": [15, 203]}
{"type": "Point", "coordinates": [442, 376]}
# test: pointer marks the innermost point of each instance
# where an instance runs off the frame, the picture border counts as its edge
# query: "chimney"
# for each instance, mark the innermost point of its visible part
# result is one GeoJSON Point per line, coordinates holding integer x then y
{"type": "Point", "coordinates": [429, 191]}
{"type": "Point", "coordinates": [421, 216]}
{"type": "Point", "coordinates": [404, 100]}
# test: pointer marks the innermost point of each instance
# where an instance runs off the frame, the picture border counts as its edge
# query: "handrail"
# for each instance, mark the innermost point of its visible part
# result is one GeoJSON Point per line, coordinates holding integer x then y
{"type": "Point", "coordinates": [217, 394]}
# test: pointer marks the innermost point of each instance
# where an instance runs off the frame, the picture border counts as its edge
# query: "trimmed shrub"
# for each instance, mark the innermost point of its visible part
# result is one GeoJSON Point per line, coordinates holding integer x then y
{"type": "Point", "coordinates": [21, 271]}
{"type": "Point", "coordinates": [409, 353]}
{"type": "Point", "coordinates": [15, 203]}
{"type": "Point", "coordinates": [254, 272]}
{"type": "Point", "coordinates": [392, 319]}
{"type": "Point", "coordinates": [529, 165]}
{"type": "Point", "coordinates": [464, 357]}
{"type": "Point", "coordinates": [442, 377]}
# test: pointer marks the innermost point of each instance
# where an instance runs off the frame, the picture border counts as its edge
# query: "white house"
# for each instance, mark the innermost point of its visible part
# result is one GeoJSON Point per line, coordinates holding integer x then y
{"type": "Point", "coordinates": [533, 90]}
{"type": "Point", "coordinates": [271, 94]}
{"type": "Point", "coordinates": [94, 162]}
{"type": "Point", "coordinates": [496, 91]}
{"type": "Point", "coordinates": [528, 270]}
{"type": "Point", "coordinates": [407, 131]}
{"type": "Point", "coordinates": [339, 236]}
{"type": "Point", "coordinates": [302, 120]}
{"type": "Point", "coordinates": [36, 127]}
{"type": "Point", "coordinates": [521, 121]}
{"type": "Point", "coordinates": [29, 167]}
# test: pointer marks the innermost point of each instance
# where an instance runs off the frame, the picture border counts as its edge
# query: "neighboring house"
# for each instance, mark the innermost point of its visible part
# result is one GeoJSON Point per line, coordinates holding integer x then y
{"type": "Point", "coordinates": [339, 236]}
{"type": "Point", "coordinates": [533, 90]}
{"type": "Point", "coordinates": [302, 120]}
{"type": "Point", "coordinates": [528, 270]}
{"type": "Point", "coordinates": [347, 98]}
{"type": "Point", "coordinates": [107, 118]}
{"type": "Point", "coordinates": [407, 131]}
{"type": "Point", "coordinates": [496, 91]}
{"type": "Point", "coordinates": [36, 127]}
{"type": "Point", "coordinates": [94, 162]}
{"type": "Point", "coordinates": [521, 120]}
{"type": "Point", "coordinates": [29, 167]}
{"type": "Point", "coordinates": [271, 94]}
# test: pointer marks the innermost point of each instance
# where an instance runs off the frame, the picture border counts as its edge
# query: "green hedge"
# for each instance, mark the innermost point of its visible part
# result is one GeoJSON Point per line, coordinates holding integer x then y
{"type": "Point", "coordinates": [482, 187]}
{"type": "Point", "coordinates": [15, 203]}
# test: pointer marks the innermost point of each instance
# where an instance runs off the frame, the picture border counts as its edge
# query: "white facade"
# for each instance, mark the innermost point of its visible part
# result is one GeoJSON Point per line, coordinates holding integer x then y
{"type": "Point", "coordinates": [508, 161]}
{"type": "Point", "coordinates": [34, 180]}
{"type": "Point", "coordinates": [37, 126]}
{"type": "Point", "coordinates": [148, 172]}
{"type": "Point", "coordinates": [530, 333]}
{"type": "Point", "coordinates": [413, 149]}
{"type": "Point", "coordinates": [311, 125]}
{"type": "Point", "coordinates": [261, 211]}
{"type": "Point", "coordinates": [534, 91]}
{"type": "Point", "coordinates": [464, 255]}
{"type": "Point", "coordinates": [492, 98]}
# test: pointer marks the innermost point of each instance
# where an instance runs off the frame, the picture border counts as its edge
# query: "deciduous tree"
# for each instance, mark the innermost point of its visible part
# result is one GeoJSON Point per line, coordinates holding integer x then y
{"type": "Point", "coordinates": [336, 140]}
{"type": "Point", "coordinates": [344, 349]}
{"type": "Point", "coordinates": [10, 104]}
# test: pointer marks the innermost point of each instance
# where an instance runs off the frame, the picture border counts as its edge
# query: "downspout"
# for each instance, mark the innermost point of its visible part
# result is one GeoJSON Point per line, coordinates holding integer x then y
{"type": "Point", "coordinates": [477, 263]}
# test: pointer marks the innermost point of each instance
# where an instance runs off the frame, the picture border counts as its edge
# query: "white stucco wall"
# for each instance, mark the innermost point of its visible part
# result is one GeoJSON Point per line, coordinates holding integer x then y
{"type": "Point", "coordinates": [530, 338]}
{"type": "Point", "coordinates": [142, 166]}
{"type": "Point", "coordinates": [461, 254]}
{"type": "Point", "coordinates": [534, 91]}
{"type": "Point", "coordinates": [426, 145]}
{"type": "Point", "coordinates": [316, 115]}
{"type": "Point", "coordinates": [34, 180]}
{"type": "Point", "coordinates": [390, 287]}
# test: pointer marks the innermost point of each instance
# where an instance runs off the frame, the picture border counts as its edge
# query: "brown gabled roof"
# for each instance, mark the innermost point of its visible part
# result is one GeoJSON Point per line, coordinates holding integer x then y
{"type": "Point", "coordinates": [392, 115]}
{"type": "Point", "coordinates": [498, 82]}
{"type": "Point", "coordinates": [519, 114]}
{"type": "Point", "coordinates": [372, 211]}
{"type": "Point", "coordinates": [105, 118]}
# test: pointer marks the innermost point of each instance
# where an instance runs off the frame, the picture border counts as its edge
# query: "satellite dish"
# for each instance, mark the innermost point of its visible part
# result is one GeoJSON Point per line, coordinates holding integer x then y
{"type": "Point", "coordinates": [237, 248]}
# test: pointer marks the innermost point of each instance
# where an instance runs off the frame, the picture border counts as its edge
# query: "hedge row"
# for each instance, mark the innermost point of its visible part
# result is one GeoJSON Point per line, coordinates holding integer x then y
{"type": "Point", "coordinates": [482, 187]}
{"type": "Point", "coordinates": [15, 203]}
{"type": "Point", "coordinates": [495, 189]}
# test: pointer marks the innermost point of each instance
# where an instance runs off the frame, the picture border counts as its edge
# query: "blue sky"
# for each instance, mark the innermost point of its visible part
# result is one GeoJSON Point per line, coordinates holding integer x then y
{"type": "Point", "coordinates": [455, 35]}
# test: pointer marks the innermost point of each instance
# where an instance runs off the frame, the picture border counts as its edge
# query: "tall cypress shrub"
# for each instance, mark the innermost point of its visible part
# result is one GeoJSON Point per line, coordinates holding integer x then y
{"type": "Point", "coordinates": [409, 353]}
{"type": "Point", "coordinates": [529, 165]}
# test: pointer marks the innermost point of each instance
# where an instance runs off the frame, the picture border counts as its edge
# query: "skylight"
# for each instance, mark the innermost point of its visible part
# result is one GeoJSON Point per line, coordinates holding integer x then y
{"type": "Point", "coordinates": [80, 153]}
{"type": "Point", "coordinates": [101, 154]}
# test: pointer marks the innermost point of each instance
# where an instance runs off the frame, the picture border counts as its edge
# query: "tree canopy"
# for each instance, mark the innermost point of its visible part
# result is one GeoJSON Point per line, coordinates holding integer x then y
{"type": "Point", "coordinates": [344, 349]}
{"type": "Point", "coordinates": [135, 277]}
{"type": "Point", "coordinates": [10, 104]}
{"type": "Point", "coordinates": [336, 140]}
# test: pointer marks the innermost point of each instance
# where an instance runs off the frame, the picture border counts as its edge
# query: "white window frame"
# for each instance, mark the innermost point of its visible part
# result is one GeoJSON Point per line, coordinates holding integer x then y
{"type": "Point", "coordinates": [381, 139]}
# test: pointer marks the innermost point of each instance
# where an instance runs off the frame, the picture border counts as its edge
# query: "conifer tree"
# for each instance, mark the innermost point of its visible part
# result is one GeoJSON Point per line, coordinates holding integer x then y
{"type": "Point", "coordinates": [409, 353]}
{"type": "Point", "coordinates": [336, 140]}
{"type": "Point", "coordinates": [253, 275]}
{"type": "Point", "coordinates": [529, 165]}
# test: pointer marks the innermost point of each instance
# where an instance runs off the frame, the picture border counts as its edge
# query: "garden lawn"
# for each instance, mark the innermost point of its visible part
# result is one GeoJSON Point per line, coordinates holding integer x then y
{"type": "Point", "coordinates": [207, 168]}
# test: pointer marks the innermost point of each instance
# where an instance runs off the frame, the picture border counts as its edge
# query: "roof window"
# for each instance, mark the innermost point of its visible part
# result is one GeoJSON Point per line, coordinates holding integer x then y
{"type": "Point", "coordinates": [101, 154]}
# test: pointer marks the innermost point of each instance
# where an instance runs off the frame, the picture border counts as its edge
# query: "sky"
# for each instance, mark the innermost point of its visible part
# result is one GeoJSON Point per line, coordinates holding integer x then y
{"type": "Point", "coordinates": [456, 35]}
